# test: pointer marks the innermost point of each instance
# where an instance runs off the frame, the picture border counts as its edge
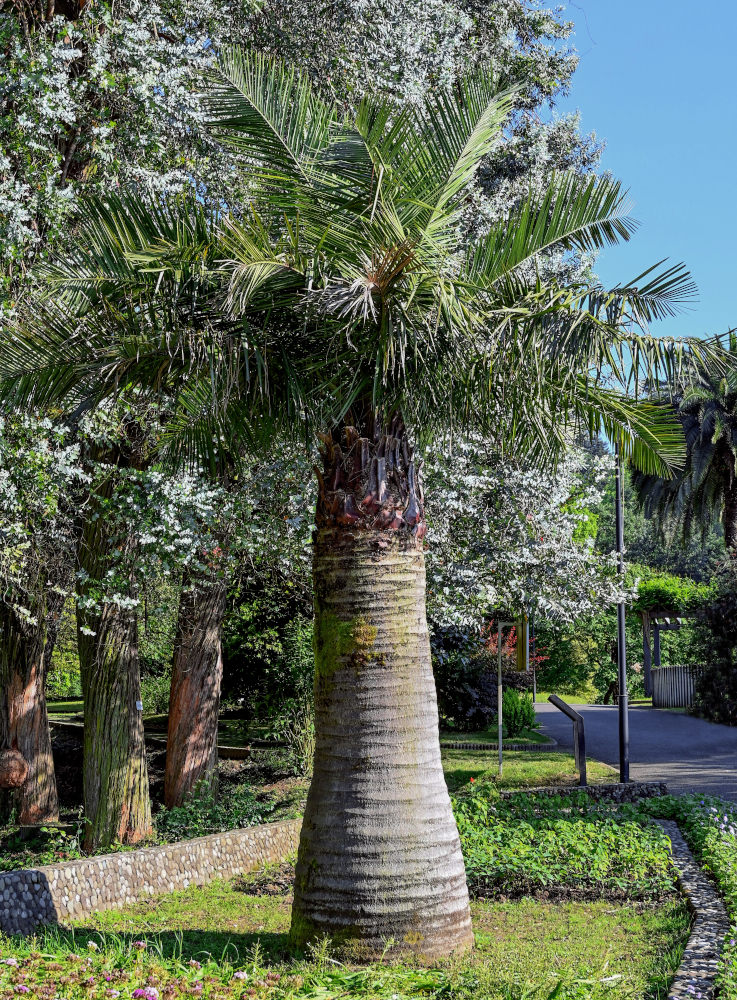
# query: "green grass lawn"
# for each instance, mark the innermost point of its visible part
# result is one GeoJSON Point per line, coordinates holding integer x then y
{"type": "Point", "coordinates": [521, 769]}
{"type": "Point", "coordinates": [523, 950]}
{"type": "Point", "coordinates": [70, 707]}
{"type": "Point", "coordinates": [570, 699]}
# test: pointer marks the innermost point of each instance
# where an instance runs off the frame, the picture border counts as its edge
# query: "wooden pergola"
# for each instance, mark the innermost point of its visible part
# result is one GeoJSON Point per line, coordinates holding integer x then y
{"type": "Point", "coordinates": [655, 621]}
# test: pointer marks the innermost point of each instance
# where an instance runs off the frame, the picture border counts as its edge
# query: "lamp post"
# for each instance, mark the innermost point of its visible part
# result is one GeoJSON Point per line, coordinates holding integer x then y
{"type": "Point", "coordinates": [624, 725]}
{"type": "Point", "coordinates": [499, 692]}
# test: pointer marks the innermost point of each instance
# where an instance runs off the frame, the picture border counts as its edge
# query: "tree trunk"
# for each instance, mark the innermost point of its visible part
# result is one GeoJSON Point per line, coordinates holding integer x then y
{"type": "Point", "coordinates": [194, 702]}
{"type": "Point", "coordinates": [24, 723]}
{"type": "Point", "coordinates": [730, 515]}
{"type": "Point", "coordinates": [379, 856]}
{"type": "Point", "coordinates": [115, 775]}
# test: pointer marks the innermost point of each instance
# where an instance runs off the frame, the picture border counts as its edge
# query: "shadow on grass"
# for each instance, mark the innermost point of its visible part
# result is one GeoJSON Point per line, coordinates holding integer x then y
{"type": "Point", "coordinates": [180, 945]}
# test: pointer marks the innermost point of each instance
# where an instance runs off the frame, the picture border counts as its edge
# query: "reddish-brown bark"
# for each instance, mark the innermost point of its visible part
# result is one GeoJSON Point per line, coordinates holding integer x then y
{"type": "Point", "coordinates": [194, 702]}
{"type": "Point", "coordinates": [24, 724]}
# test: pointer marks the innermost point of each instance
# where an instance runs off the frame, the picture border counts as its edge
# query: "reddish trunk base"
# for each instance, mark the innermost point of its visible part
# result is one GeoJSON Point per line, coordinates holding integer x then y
{"type": "Point", "coordinates": [13, 769]}
{"type": "Point", "coordinates": [192, 751]}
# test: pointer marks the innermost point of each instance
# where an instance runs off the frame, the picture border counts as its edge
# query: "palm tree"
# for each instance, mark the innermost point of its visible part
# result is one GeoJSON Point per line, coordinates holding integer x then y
{"type": "Point", "coordinates": [344, 300]}
{"type": "Point", "coordinates": [705, 489]}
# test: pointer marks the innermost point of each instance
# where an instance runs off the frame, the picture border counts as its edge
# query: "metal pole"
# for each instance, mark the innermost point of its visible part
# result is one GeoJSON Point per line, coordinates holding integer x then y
{"type": "Point", "coordinates": [499, 700]}
{"type": "Point", "coordinates": [624, 726]}
{"type": "Point", "coordinates": [533, 639]}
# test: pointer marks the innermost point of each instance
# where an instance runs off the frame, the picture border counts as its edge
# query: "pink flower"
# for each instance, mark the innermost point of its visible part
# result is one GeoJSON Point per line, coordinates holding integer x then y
{"type": "Point", "coordinates": [22, 989]}
{"type": "Point", "coordinates": [194, 964]}
{"type": "Point", "coordinates": [240, 975]}
{"type": "Point", "coordinates": [11, 961]}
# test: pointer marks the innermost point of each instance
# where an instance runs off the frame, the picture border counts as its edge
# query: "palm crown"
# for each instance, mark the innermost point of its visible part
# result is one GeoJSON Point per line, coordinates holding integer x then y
{"type": "Point", "coordinates": [347, 285]}
{"type": "Point", "coordinates": [706, 487]}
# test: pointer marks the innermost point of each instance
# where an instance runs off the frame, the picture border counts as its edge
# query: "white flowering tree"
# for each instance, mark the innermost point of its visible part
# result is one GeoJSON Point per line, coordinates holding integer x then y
{"type": "Point", "coordinates": [516, 538]}
{"type": "Point", "coordinates": [98, 94]}
{"type": "Point", "coordinates": [261, 511]}
{"type": "Point", "coordinates": [41, 484]}
{"type": "Point", "coordinates": [139, 522]}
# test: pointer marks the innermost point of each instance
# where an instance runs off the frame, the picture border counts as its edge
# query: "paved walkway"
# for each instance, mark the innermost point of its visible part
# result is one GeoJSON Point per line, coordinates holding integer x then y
{"type": "Point", "coordinates": [689, 754]}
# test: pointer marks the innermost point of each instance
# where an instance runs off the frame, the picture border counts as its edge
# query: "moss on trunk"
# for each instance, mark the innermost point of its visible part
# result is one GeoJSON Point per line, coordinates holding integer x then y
{"type": "Point", "coordinates": [116, 795]}
{"type": "Point", "coordinates": [380, 857]}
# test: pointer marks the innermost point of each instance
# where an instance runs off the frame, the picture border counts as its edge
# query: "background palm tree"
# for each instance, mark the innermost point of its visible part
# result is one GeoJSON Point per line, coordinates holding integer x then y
{"type": "Point", "coordinates": [344, 300]}
{"type": "Point", "coordinates": [705, 489]}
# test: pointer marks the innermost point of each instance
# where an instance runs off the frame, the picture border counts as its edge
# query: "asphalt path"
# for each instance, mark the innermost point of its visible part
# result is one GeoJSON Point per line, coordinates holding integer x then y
{"type": "Point", "coordinates": [691, 755]}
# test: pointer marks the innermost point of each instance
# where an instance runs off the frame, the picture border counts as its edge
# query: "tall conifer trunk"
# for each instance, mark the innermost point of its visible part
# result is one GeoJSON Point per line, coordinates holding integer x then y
{"type": "Point", "coordinates": [379, 856]}
{"type": "Point", "coordinates": [116, 794]}
{"type": "Point", "coordinates": [730, 513]}
{"type": "Point", "coordinates": [194, 702]}
{"type": "Point", "coordinates": [24, 723]}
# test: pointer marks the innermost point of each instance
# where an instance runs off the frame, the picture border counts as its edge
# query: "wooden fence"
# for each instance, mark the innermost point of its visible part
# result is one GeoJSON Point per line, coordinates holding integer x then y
{"type": "Point", "coordinates": [673, 687]}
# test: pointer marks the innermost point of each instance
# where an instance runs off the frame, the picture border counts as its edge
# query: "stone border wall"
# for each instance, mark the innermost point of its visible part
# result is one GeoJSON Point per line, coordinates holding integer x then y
{"type": "Point", "coordinates": [460, 745]}
{"type": "Point", "coordinates": [73, 889]}
{"type": "Point", "coordinates": [612, 792]}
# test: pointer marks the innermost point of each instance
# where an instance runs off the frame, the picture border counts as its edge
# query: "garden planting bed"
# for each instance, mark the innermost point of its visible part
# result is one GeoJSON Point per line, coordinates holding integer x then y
{"type": "Point", "coordinates": [572, 890]}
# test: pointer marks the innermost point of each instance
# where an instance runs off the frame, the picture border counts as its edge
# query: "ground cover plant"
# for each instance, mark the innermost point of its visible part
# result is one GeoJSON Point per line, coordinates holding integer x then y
{"type": "Point", "coordinates": [536, 844]}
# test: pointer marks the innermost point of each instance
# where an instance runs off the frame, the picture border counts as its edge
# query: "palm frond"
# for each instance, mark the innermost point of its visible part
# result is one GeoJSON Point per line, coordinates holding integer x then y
{"type": "Point", "coordinates": [265, 109]}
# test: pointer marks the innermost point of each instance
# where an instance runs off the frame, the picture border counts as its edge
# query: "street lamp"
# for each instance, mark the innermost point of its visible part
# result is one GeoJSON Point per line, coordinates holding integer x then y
{"type": "Point", "coordinates": [499, 693]}
{"type": "Point", "coordinates": [624, 724]}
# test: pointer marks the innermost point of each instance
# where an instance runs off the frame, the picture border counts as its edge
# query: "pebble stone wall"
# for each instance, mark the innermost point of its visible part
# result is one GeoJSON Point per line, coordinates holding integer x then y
{"type": "Point", "coordinates": [73, 889]}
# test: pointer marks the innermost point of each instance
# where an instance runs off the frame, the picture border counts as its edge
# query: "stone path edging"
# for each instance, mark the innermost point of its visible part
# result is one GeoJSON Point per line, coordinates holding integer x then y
{"type": "Point", "coordinates": [698, 969]}
{"type": "Point", "coordinates": [495, 746]}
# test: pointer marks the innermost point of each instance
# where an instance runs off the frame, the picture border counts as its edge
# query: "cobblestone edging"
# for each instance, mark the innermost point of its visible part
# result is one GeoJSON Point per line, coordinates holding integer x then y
{"type": "Point", "coordinates": [695, 977]}
{"type": "Point", "coordinates": [612, 792]}
{"type": "Point", "coordinates": [54, 893]}
{"type": "Point", "coordinates": [495, 746]}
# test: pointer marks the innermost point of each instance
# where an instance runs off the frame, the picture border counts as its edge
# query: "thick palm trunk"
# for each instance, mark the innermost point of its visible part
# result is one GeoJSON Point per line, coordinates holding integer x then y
{"type": "Point", "coordinates": [194, 702]}
{"type": "Point", "coordinates": [379, 855]}
{"type": "Point", "coordinates": [116, 796]}
{"type": "Point", "coordinates": [24, 723]}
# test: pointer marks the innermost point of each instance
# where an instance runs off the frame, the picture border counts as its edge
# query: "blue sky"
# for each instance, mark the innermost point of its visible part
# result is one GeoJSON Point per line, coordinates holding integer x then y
{"type": "Point", "coordinates": [657, 81]}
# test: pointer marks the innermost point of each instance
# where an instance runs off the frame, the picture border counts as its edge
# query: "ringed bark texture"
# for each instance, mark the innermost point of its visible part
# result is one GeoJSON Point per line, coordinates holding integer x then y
{"type": "Point", "coordinates": [115, 775]}
{"type": "Point", "coordinates": [194, 702]}
{"type": "Point", "coordinates": [379, 857]}
{"type": "Point", "coordinates": [25, 723]}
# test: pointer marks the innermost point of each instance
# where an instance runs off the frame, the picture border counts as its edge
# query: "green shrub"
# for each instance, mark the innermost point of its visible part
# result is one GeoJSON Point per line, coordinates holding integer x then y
{"type": "Point", "coordinates": [206, 813]}
{"type": "Point", "coordinates": [518, 713]}
{"type": "Point", "coordinates": [155, 693]}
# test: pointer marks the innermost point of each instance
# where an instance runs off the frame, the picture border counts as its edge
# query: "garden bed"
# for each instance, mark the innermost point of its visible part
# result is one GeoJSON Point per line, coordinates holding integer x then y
{"type": "Point", "coordinates": [260, 789]}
